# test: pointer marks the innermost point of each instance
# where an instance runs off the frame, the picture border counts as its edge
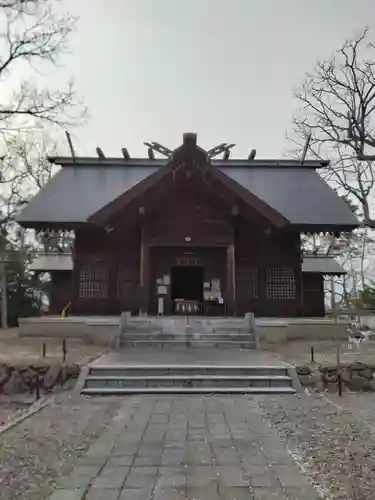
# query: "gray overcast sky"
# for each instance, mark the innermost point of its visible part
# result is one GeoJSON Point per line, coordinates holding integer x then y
{"type": "Point", "coordinates": [152, 69]}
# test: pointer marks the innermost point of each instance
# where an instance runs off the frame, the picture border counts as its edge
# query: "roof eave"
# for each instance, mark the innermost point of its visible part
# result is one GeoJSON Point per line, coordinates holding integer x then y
{"type": "Point", "coordinates": [231, 162]}
{"type": "Point", "coordinates": [322, 228]}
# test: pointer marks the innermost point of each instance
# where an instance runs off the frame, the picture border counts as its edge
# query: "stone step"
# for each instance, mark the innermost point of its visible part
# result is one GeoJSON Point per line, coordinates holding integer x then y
{"type": "Point", "coordinates": [223, 344]}
{"type": "Point", "coordinates": [183, 381]}
{"type": "Point", "coordinates": [187, 390]}
{"type": "Point", "coordinates": [212, 337]}
{"type": "Point", "coordinates": [117, 370]}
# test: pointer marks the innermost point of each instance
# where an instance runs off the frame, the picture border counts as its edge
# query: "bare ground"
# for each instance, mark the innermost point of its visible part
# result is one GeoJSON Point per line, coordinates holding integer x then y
{"type": "Point", "coordinates": [325, 352]}
{"type": "Point", "coordinates": [15, 349]}
{"type": "Point", "coordinates": [36, 452]}
{"type": "Point", "coordinates": [27, 350]}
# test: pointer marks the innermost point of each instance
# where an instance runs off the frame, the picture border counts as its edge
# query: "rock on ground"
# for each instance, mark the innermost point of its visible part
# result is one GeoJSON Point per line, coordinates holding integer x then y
{"type": "Point", "coordinates": [45, 446]}
{"type": "Point", "coordinates": [336, 447]}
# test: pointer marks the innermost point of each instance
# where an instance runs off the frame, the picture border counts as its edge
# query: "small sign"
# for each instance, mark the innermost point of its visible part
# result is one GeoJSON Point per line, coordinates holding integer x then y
{"type": "Point", "coordinates": [167, 279]}
{"type": "Point", "coordinates": [160, 306]}
{"type": "Point", "coordinates": [162, 290]}
{"type": "Point", "coordinates": [206, 285]}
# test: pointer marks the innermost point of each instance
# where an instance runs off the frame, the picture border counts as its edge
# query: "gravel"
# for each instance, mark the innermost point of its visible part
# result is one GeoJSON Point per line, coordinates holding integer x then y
{"type": "Point", "coordinates": [334, 446]}
{"type": "Point", "coordinates": [10, 411]}
{"type": "Point", "coordinates": [46, 446]}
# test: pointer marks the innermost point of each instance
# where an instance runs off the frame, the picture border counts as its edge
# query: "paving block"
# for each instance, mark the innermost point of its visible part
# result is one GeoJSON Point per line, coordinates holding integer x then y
{"type": "Point", "coordinates": [99, 494]}
{"type": "Point", "coordinates": [74, 482]}
{"type": "Point", "coordinates": [77, 494]}
{"type": "Point", "coordinates": [235, 493]}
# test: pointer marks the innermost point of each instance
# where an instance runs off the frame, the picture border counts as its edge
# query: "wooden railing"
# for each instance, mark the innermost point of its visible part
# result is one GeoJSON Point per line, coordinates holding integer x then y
{"type": "Point", "coordinates": [182, 306]}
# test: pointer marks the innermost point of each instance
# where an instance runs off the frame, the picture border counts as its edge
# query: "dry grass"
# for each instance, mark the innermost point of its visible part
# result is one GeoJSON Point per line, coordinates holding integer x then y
{"type": "Point", "coordinates": [325, 351]}
{"type": "Point", "coordinates": [14, 349]}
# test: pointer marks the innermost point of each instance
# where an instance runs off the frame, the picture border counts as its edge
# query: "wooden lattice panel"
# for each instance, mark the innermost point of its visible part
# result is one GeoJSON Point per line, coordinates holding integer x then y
{"type": "Point", "coordinates": [127, 290]}
{"type": "Point", "coordinates": [127, 285]}
{"type": "Point", "coordinates": [93, 282]}
{"type": "Point", "coordinates": [248, 282]}
{"type": "Point", "coordinates": [281, 283]}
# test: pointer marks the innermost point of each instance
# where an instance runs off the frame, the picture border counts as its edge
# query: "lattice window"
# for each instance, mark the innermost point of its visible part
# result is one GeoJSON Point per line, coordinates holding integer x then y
{"type": "Point", "coordinates": [93, 282]}
{"type": "Point", "coordinates": [281, 283]}
{"type": "Point", "coordinates": [251, 283]}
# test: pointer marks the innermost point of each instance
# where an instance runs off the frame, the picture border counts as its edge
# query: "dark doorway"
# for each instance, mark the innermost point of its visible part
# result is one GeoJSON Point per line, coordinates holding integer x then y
{"type": "Point", "coordinates": [187, 283]}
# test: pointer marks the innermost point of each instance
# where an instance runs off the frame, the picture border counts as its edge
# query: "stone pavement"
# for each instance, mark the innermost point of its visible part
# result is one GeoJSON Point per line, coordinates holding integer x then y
{"type": "Point", "coordinates": [187, 447]}
{"type": "Point", "coordinates": [197, 356]}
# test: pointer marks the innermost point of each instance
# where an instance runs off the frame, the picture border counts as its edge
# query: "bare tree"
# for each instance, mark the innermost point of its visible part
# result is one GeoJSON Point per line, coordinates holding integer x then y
{"type": "Point", "coordinates": [338, 108]}
{"type": "Point", "coordinates": [25, 170]}
{"type": "Point", "coordinates": [33, 37]}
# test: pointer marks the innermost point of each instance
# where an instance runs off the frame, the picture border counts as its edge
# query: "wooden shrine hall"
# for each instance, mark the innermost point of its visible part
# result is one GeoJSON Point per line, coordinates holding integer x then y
{"type": "Point", "coordinates": [187, 233]}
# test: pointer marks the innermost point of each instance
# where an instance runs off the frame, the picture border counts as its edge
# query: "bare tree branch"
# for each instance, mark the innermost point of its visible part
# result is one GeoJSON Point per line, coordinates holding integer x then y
{"type": "Point", "coordinates": [337, 106]}
{"type": "Point", "coordinates": [33, 38]}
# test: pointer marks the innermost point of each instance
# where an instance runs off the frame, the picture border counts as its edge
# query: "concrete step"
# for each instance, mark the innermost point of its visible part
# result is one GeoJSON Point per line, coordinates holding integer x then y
{"type": "Point", "coordinates": [183, 381]}
{"type": "Point", "coordinates": [186, 370]}
{"type": "Point", "coordinates": [186, 379]}
{"type": "Point", "coordinates": [223, 344]}
{"type": "Point", "coordinates": [212, 337]}
{"type": "Point", "coordinates": [187, 390]}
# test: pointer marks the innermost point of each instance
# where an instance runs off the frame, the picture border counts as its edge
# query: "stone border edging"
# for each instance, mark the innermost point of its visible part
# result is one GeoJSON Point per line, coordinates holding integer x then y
{"type": "Point", "coordinates": [44, 401]}
{"type": "Point", "coordinates": [34, 408]}
{"type": "Point", "coordinates": [79, 385]}
{"type": "Point", "coordinates": [85, 368]}
{"type": "Point", "coordinates": [296, 383]}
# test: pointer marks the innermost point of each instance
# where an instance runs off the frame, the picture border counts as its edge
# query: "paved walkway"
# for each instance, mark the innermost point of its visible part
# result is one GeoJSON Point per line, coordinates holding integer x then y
{"type": "Point", "coordinates": [202, 448]}
{"type": "Point", "coordinates": [196, 356]}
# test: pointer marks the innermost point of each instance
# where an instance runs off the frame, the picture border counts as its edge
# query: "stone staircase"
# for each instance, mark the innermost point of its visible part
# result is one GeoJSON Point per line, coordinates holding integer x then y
{"type": "Point", "coordinates": [186, 379]}
{"type": "Point", "coordinates": [193, 331]}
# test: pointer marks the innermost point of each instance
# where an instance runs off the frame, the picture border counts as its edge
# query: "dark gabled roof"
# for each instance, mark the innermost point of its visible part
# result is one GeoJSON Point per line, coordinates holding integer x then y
{"type": "Point", "coordinates": [75, 193]}
{"type": "Point", "coordinates": [299, 194]}
{"type": "Point", "coordinates": [84, 186]}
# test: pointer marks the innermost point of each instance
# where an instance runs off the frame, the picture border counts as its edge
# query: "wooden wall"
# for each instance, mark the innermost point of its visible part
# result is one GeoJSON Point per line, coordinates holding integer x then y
{"type": "Point", "coordinates": [313, 295]}
{"type": "Point", "coordinates": [60, 291]}
{"type": "Point", "coordinates": [118, 271]}
{"type": "Point", "coordinates": [268, 272]}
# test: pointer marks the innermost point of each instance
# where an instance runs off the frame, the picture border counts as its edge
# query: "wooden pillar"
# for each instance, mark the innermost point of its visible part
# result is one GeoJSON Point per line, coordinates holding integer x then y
{"type": "Point", "coordinates": [75, 282]}
{"type": "Point", "coordinates": [113, 305]}
{"type": "Point", "coordinates": [231, 280]}
{"type": "Point", "coordinates": [143, 274]}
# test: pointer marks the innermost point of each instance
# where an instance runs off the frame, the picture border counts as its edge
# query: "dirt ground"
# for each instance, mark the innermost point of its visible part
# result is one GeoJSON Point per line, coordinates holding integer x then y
{"type": "Point", "coordinates": [22, 350]}
{"type": "Point", "coordinates": [14, 349]}
{"type": "Point", "coordinates": [325, 352]}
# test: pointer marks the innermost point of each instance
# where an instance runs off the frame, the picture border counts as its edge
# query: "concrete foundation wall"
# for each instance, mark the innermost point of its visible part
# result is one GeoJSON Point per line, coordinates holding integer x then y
{"type": "Point", "coordinates": [100, 332]}
{"type": "Point", "coordinates": [275, 334]}
{"type": "Point", "coordinates": [104, 330]}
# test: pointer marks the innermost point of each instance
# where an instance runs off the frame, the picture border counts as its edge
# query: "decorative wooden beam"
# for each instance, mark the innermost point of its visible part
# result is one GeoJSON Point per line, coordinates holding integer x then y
{"type": "Point", "coordinates": [252, 154]}
{"type": "Point", "coordinates": [125, 153]}
{"type": "Point", "coordinates": [100, 153]}
{"type": "Point", "coordinates": [221, 148]}
{"type": "Point", "coordinates": [155, 146]}
{"type": "Point", "coordinates": [70, 143]}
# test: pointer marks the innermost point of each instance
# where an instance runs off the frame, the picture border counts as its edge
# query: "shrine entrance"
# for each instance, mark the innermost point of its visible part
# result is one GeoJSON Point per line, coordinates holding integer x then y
{"type": "Point", "coordinates": [184, 280]}
{"type": "Point", "coordinates": [187, 289]}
